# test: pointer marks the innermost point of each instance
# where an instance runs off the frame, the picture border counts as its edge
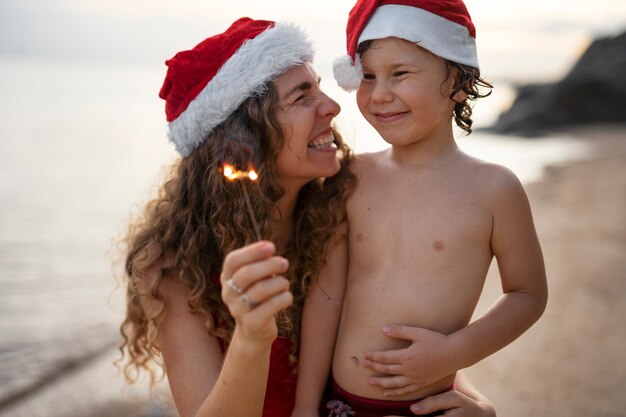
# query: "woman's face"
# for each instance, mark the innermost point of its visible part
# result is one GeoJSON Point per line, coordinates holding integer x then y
{"type": "Point", "coordinates": [305, 114]}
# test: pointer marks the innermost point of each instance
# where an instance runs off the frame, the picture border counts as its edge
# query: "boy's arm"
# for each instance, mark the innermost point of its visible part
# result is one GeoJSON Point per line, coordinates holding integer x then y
{"type": "Point", "coordinates": [432, 355]}
{"type": "Point", "coordinates": [516, 247]}
{"type": "Point", "coordinates": [320, 320]}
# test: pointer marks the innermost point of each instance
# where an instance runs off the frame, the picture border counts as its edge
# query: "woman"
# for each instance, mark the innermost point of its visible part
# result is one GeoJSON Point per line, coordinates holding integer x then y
{"type": "Point", "coordinates": [226, 320]}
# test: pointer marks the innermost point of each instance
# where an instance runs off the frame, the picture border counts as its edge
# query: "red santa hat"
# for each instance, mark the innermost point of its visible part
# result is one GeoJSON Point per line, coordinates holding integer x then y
{"type": "Point", "coordinates": [206, 84]}
{"type": "Point", "coordinates": [443, 27]}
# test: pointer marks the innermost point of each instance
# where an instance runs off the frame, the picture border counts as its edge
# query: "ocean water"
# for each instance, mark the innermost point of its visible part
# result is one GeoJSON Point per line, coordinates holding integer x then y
{"type": "Point", "coordinates": [81, 147]}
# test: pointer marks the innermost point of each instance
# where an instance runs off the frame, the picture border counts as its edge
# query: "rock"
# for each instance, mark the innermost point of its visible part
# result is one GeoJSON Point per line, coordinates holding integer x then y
{"type": "Point", "coordinates": [593, 92]}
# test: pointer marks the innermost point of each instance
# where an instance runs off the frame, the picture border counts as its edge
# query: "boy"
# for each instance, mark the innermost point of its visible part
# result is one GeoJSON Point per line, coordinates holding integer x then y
{"type": "Point", "coordinates": [424, 222]}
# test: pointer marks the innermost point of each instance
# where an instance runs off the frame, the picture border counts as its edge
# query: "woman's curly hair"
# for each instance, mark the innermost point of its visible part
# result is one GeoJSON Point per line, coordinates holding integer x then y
{"type": "Point", "coordinates": [467, 80]}
{"type": "Point", "coordinates": [199, 216]}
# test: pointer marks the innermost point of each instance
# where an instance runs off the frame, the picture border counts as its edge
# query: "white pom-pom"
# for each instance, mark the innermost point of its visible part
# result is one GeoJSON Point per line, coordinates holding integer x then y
{"type": "Point", "coordinates": [348, 76]}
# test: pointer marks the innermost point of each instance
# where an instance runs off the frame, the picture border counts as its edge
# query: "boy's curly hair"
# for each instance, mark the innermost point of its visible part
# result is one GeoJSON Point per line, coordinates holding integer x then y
{"type": "Point", "coordinates": [469, 81]}
{"type": "Point", "coordinates": [199, 216]}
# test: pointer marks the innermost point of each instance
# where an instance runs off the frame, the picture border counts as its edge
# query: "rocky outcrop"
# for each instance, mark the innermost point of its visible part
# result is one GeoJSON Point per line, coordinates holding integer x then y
{"type": "Point", "coordinates": [593, 92]}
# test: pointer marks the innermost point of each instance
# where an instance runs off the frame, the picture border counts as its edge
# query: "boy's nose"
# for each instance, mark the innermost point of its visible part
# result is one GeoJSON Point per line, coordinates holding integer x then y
{"type": "Point", "coordinates": [381, 93]}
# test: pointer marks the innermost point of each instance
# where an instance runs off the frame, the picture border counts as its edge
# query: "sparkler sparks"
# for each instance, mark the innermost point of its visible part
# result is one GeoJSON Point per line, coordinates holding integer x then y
{"type": "Point", "coordinates": [234, 174]}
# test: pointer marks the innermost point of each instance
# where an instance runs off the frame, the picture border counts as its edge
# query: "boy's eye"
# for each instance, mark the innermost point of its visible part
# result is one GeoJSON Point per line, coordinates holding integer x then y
{"type": "Point", "coordinates": [368, 76]}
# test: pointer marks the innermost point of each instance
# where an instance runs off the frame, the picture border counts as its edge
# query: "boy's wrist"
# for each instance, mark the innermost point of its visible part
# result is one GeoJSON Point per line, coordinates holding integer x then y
{"type": "Point", "coordinates": [457, 350]}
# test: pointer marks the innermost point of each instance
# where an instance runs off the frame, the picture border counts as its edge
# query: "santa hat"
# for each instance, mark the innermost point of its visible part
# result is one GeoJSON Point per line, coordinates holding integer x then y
{"type": "Point", "coordinates": [206, 84]}
{"type": "Point", "coordinates": [443, 27]}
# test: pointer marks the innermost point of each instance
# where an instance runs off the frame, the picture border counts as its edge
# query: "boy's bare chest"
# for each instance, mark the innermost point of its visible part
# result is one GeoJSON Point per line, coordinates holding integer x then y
{"type": "Point", "coordinates": [417, 214]}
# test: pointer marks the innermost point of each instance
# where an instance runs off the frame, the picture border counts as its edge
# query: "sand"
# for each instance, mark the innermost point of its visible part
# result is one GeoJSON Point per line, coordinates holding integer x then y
{"type": "Point", "coordinates": [571, 363]}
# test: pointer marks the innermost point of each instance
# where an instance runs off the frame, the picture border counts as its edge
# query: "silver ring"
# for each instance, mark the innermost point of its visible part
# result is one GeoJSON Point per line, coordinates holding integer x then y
{"type": "Point", "coordinates": [234, 287]}
{"type": "Point", "coordinates": [246, 300]}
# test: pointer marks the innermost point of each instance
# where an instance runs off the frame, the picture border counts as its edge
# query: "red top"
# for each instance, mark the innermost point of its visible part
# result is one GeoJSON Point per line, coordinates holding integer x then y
{"type": "Point", "coordinates": [280, 395]}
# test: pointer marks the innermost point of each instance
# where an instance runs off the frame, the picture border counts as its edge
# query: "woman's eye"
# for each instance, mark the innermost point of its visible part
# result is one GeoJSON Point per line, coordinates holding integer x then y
{"type": "Point", "coordinates": [399, 73]}
{"type": "Point", "coordinates": [298, 99]}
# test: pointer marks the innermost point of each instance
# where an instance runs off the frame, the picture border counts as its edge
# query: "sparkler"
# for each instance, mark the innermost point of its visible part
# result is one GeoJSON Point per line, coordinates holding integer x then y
{"type": "Point", "coordinates": [233, 174]}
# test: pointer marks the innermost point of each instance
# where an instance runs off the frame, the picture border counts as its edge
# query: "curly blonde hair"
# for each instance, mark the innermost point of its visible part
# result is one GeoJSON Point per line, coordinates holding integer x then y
{"type": "Point", "coordinates": [198, 217]}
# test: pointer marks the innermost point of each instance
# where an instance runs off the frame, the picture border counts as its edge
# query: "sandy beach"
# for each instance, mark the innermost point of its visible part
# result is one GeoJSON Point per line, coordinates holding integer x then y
{"type": "Point", "coordinates": [569, 364]}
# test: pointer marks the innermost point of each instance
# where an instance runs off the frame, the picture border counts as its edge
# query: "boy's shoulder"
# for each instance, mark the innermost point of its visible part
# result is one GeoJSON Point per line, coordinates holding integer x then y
{"type": "Point", "coordinates": [368, 161]}
{"type": "Point", "coordinates": [493, 178]}
{"type": "Point", "coordinates": [495, 172]}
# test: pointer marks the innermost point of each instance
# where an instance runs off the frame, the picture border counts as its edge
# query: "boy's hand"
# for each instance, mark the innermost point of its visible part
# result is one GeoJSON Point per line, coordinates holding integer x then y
{"type": "Point", "coordinates": [426, 360]}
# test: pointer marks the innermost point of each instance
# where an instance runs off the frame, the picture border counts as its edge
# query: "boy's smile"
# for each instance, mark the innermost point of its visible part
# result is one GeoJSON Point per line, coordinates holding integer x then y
{"type": "Point", "coordinates": [404, 93]}
{"type": "Point", "coordinates": [390, 117]}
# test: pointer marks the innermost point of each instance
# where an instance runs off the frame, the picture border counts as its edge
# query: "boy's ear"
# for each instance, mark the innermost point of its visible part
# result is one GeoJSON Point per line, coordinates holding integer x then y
{"type": "Point", "coordinates": [460, 96]}
{"type": "Point", "coordinates": [455, 80]}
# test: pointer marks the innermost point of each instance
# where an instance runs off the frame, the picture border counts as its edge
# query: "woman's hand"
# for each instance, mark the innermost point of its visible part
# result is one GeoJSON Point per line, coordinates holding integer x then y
{"type": "Point", "coordinates": [254, 291]}
{"type": "Point", "coordinates": [453, 404]}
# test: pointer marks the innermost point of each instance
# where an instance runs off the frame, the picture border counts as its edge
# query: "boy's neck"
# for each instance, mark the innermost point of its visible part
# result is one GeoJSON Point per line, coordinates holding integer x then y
{"type": "Point", "coordinates": [429, 152]}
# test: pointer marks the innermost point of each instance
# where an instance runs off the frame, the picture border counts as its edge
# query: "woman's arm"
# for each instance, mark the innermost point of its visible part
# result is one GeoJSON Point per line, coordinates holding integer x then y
{"type": "Point", "coordinates": [204, 382]}
{"type": "Point", "coordinates": [320, 320]}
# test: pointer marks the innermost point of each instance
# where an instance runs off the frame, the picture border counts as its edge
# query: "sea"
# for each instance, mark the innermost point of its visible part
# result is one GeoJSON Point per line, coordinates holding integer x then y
{"type": "Point", "coordinates": [82, 147]}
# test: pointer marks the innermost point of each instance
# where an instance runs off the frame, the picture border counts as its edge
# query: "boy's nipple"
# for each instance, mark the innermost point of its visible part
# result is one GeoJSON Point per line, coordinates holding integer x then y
{"type": "Point", "coordinates": [438, 245]}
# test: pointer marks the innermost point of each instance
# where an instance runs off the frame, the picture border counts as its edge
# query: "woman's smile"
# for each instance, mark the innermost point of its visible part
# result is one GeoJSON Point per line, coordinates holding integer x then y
{"type": "Point", "coordinates": [324, 142]}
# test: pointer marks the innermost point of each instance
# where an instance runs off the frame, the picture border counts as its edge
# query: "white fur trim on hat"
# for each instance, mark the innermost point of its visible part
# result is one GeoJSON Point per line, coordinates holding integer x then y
{"type": "Point", "coordinates": [257, 61]}
{"type": "Point", "coordinates": [434, 33]}
{"type": "Point", "coordinates": [441, 36]}
{"type": "Point", "coordinates": [348, 76]}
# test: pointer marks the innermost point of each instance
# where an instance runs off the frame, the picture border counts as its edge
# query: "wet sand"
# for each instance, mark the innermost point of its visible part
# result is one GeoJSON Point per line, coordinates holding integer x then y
{"type": "Point", "coordinates": [571, 363]}
{"type": "Point", "coordinates": [95, 389]}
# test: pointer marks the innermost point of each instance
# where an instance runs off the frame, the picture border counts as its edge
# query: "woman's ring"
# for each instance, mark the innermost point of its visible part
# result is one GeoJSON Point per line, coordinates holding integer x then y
{"type": "Point", "coordinates": [234, 287]}
{"type": "Point", "coordinates": [246, 300]}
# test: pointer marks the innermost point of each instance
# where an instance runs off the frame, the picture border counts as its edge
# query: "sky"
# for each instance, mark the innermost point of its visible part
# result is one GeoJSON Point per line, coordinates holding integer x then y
{"type": "Point", "coordinates": [523, 40]}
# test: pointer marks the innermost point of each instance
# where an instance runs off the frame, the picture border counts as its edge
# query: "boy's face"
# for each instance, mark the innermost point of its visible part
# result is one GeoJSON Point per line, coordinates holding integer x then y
{"type": "Point", "coordinates": [404, 93]}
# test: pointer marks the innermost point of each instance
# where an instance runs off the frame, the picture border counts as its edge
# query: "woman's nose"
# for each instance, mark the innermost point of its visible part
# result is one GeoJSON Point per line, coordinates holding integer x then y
{"type": "Point", "coordinates": [329, 107]}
